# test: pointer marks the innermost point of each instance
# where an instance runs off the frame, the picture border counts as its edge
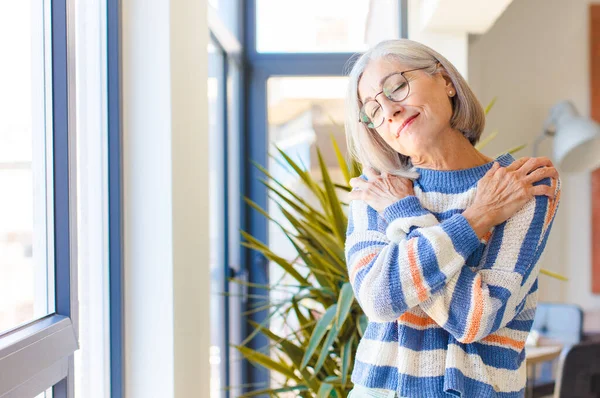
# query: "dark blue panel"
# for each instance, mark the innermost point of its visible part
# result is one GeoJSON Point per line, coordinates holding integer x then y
{"type": "Point", "coordinates": [60, 132]}
{"type": "Point", "coordinates": [115, 220]}
{"type": "Point", "coordinates": [60, 157]}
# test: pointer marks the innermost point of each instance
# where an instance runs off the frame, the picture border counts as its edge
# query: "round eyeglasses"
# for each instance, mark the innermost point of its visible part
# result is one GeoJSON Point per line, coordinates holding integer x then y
{"type": "Point", "coordinates": [396, 88]}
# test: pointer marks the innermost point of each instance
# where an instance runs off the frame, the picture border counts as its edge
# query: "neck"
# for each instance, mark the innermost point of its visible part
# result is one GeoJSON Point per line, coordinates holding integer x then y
{"type": "Point", "coordinates": [451, 151]}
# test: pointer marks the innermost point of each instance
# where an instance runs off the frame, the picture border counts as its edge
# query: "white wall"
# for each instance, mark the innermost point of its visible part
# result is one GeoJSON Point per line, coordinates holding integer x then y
{"type": "Point", "coordinates": [535, 55]}
{"type": "Point", "coordinates": [166, 230]}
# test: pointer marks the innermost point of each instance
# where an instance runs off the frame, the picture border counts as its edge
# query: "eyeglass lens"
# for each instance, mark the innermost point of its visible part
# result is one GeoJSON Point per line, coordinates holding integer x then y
{"type": "Point", "coordinates": [395, 88]}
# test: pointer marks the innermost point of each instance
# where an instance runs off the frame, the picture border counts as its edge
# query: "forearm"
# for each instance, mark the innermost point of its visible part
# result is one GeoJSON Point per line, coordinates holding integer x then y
{"type": "Point", "coordinates": [479, 219]}
{"type": "Point", "coordinates": [476, 303]}
{"type": "Point", "coordinates": [390, 277]}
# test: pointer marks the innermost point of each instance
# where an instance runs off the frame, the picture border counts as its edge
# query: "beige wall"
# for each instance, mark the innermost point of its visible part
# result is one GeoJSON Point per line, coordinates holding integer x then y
{"type": "Point", "coordinates": [535, 55]}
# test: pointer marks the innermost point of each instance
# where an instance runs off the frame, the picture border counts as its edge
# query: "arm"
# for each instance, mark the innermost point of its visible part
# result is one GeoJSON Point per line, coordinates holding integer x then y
{"type": "Point", "coordinates": [475, 304]}
{"type": "Point", "coordinates": [389, 277]}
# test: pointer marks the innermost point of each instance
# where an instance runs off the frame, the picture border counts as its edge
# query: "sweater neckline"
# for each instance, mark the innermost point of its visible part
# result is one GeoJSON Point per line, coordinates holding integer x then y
{"type": "Point", "coordinates": [457, 180]}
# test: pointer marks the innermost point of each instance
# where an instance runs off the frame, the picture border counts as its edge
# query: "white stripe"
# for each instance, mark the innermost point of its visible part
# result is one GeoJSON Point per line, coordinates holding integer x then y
{"type": "Point", "coordinates": [472, 366]}
{"type": "Point", "coordinates": [512, 240]}
{"type": "Point", "coordinates": [440, 202]}
{"type": "Point", "coordinates": [433, 363]}
{"type": "Point", "coordinates": [360, 218]}
{"type": "Point", "coordinates": [363, 236]}
{"type": "Point", "coordinates": [379, 353]}
{"type": "Point", "coordinates": [399, 228]}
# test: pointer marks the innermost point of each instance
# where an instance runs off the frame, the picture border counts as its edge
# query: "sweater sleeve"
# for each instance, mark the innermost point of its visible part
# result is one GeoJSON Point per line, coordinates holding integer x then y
{"type": "Point", "coordinates": [475, 303]}
{"type": "Point", "coordinates": [391, 276]}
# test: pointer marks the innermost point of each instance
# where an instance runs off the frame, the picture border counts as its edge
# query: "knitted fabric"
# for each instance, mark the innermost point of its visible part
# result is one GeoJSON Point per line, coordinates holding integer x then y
{"type": "Point", "coordinates": [448, 312]}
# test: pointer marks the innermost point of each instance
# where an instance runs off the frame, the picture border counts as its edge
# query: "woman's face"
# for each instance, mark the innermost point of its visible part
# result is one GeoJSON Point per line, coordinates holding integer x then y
{"type": "Point", "coordinates": [428, 99]}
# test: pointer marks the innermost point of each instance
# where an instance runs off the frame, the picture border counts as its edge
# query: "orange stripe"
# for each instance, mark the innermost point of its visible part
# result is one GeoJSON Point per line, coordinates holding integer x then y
{"type": "Point", "coordinates": [477, 314]}
{"type": "Point", "coordinates": [361, 263]}
{"type": "Point", "coordinates": [409, 317]}
{"type": "Point", "coordinates": [493, 338]}
{"type": "Point", "coordinates": [551, 205]}
{"type": "Point", "coordinates": [414, 271]}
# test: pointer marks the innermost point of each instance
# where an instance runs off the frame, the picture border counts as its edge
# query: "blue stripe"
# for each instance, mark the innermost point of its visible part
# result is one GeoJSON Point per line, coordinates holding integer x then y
{"type": "Point", "coordinates": [373, 376]}
{"type": "Point", "coordinates": [494, 245]}
{"type": "Point", "coordinates": [385, 332]}
{"type": "Point", "coordinates": [527, 254]}
{"type": "Point", "coordinates": [394, 294]}
{"type": "Point", "coordinates": [523, 326]}
{"type": "Point", "coordinates": [456, 383]}
{"type": "Point", "coordinates": [495, 356]}
{"type": "Point", "coordinates": [428, 263]}
{"type": "Point", "coordinates": [446, 214]}
{"type": "Point", "coordinates": [372, 216]}
{"type": "Point", "coordinates": [362, 245]}
{"type": "Point", "coordinates": [435, 338]}
{"type": "Point", "coordinates": [459, 311]}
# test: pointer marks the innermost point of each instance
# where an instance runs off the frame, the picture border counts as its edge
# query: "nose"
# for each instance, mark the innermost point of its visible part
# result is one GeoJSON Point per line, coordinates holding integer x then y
{"type": "Point", "coordinates": [391, 109]}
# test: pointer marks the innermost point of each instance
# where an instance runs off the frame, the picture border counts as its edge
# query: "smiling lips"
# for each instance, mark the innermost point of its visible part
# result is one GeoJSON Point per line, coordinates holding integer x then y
{"type": "Point", "coordinates": [406, 123]}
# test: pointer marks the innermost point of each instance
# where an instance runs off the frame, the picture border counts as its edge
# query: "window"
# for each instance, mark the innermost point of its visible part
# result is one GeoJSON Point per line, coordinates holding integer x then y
{"type": "Point", "coordinates": [26, 213]}
{"type": "Point", "coordinates": [38, 333]}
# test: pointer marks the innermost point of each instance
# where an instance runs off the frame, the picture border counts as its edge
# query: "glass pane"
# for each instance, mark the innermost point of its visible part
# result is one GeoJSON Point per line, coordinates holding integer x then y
{"type": "Point", "coordinates": [46, 394]}
{"type": "Point", "coordinates": [303, 114]}
{"type": "Point", "coordinates": [217, 255]}
{"type": "Point", "coordinates": [25, 230]}
{"type": "Point", "coordinates": [324, 26]}
{"type": "Point", "coordinates": [229, 12]}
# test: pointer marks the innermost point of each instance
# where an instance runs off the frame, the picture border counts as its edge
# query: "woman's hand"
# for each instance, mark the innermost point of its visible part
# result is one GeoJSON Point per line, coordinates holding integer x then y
{"type": "Point", "coordinates": [503, 191]}
{"type": "Point", "coordinates": [381, 190]}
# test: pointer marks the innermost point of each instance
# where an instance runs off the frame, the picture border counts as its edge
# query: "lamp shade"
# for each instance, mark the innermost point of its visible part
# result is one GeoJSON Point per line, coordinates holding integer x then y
{"type": "Point", "coordinates": [576, 139]}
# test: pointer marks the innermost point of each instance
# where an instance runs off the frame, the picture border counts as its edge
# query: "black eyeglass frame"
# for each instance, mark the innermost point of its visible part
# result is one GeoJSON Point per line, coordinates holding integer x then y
{"type": "Point", "coordinates": [383, 84]}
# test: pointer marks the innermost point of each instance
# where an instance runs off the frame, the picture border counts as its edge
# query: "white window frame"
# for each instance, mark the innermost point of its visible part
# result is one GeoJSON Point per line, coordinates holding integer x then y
{"type": "Point", "coordinates": [39, 355]}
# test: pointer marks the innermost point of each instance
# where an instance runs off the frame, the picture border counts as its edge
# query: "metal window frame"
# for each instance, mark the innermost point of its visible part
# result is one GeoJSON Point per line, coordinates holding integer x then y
{"type": "Point", "coordinates": [230, 47]}
{"type": "Point", "coordinates": [261, 67]}
{"type": "Point", "coordinates": [115, 200]}
{"type": "Point", "coordinates": [39, 355]}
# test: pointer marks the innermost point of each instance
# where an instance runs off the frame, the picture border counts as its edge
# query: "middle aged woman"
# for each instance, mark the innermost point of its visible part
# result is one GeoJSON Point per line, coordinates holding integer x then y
{"type": "Point", "coordinates": [443, 242]}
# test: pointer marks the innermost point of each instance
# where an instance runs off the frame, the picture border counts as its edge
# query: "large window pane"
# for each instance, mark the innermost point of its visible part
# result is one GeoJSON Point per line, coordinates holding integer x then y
{"type": "Point", "coordinates": [230, 13]}
{"type": "Point", "coordinates": [303, 114]}
{"type": "Point", "coordinates": [324, 26]}
{"type": "Point", "coordinates": [25, 164]}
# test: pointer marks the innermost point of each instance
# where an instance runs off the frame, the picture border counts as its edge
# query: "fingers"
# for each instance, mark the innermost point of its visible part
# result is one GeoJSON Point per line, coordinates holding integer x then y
{"type": "Point", "coordinates": [543, 190]}
{"type": "Point", "coordinates": [494, 167]}
{"type": "Point", "coordinates": [534, 163]}
{"type": "Point", "coordinates": [517, 164]}
{"type": "Point", "coordinates": [358, 182]}
{"type": "Point", "coordinates": [540, 174]}
{"type": "Point", "coordinates": [370, 173]}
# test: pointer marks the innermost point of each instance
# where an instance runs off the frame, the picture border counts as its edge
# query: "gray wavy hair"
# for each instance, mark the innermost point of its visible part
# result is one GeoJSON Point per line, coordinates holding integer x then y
{"type": "Point", "coordinates": [366, 146]}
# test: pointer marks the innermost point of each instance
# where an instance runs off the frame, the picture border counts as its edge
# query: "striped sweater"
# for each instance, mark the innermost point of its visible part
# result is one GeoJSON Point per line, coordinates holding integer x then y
{"type": "Point", "coordinates": [448, 312]}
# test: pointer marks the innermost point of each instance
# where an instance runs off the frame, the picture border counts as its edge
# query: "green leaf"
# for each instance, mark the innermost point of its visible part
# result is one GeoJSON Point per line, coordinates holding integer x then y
{"type": "Point", "coordinates": [486, 140]}
{"type": "Point", "coordinates": [325, 390]}
{"type": "Point", "coordinates": [362, 324]}
{"type": "Point", "coordinates": [266, 251]}
{"type": "Point", "coordinates": [294, 352]}
{"type": "Point", "coordinates": [345, 301]}
{"type": "Point", "coordinates": [300, 387]}
{"type": "Point", "coordinates": [516, 149]}
{"type": "Point", "coordinates": [335, 209]}
{"type": "Point", "coordinates": [347, 359]}
{"type": "Point", "coordinates": [331, 336]}
{"type": "Point", "coordinates": [341, 161]}
{"type": "Point", "coordinates": [490, 105]}
{"type": "Point", "coordinates": [318, 334]}
{"type": "Point", "coordinates": [267, 362]}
